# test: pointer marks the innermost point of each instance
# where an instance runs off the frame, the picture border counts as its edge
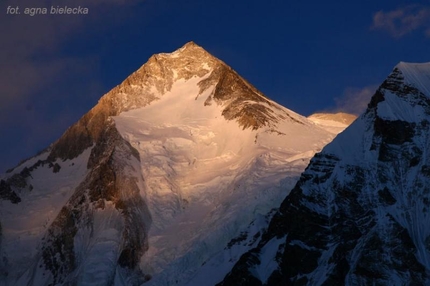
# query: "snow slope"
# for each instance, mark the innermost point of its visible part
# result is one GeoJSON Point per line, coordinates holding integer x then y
{"type": "Point", "coordinates": [206, 177]}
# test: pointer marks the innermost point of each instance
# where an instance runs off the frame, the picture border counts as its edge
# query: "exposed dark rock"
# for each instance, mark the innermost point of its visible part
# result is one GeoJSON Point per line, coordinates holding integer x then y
{"type": "Point", "coordinates": [242, 274]}
{"type": "Point", "coordinates": [18, 181]}
{"type": "Point", "coordinates": [394, 132]}
{"type": "Point", "coordinates": [242, 101]}
{"type": "Point", "coordinates": [236, 240]}
{"type": "Point", "coordinates": [385, 197]}
{"type": "Point", "coordinates": [254, 238]}
{"type": "Point", "coordinates": [6, 193]}
{"type": "Point", "coordinates": [376, 98]}
{"type": "Point", "coordinates": [56, 168]}
{"type": "Point", "coordinates": [425, 170]}
{"type": "Point", "coordinates": [395, 252]}
{"type": "Point", "coordinates": [58, 251]}
{"type": "Point", "coordinates": [394, 82]}
{"type": "Point", "coordinates": [127, 259]}
{"type": "Point", "coordinates": [73, 142]}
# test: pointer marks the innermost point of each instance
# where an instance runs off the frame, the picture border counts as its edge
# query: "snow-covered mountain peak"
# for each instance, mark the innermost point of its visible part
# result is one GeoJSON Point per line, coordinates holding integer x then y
{"type": "Point", "coordinates": [158, 74]}
{"type": "Point", "coordinates": [404, 95]}
{"type": "Point", "coordinates": [190, 49]}
{"type": "Point", "coordinates": [220, 85]}
{"type": "Point", "coordinates": [417, 75]}
{"type": "Point", "coordinates": [184, 63]}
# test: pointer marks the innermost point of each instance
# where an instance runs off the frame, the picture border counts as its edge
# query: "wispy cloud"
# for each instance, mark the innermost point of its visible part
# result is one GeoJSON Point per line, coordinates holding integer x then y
{"type": "Point", "coordinates": [355, 100]}
{"type": "Point", "coordinates": [403, 21]}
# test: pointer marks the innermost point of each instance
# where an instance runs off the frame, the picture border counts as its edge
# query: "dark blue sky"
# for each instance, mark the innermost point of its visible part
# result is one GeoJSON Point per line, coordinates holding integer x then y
{"type": "Point", "coordinates": [307, 55]}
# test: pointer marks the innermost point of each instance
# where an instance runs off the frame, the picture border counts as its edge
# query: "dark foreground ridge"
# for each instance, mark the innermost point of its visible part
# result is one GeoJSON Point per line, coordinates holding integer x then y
{"type": "Point", "coordinates": [359, 213]}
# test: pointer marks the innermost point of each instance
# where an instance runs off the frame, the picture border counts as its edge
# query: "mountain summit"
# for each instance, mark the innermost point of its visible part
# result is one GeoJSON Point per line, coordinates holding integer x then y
{"type": "Point", "coordinates": [240, 100]}
{"type": "Point", "coordinates": [359, 213]}
{"type": "Point", "coordinates": [158, 177]}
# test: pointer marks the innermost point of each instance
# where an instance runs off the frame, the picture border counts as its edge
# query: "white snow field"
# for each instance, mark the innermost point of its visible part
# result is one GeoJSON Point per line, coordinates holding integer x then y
{"type": "Point", "coordinates": [207, 178]}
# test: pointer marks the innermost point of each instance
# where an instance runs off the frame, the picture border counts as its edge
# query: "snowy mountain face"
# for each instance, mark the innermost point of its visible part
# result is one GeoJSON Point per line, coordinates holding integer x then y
{"type": "Point", "coordinates": [155, 181]}
{"type": "Point", "coordinates": [359, 214]}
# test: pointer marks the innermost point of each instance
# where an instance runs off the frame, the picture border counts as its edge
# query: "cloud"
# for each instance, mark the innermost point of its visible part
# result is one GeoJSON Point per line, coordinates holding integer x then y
{"type": "Point", "coordinates": [403, 21]}
{"type": "Point", "coordinates": [355, 100]}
